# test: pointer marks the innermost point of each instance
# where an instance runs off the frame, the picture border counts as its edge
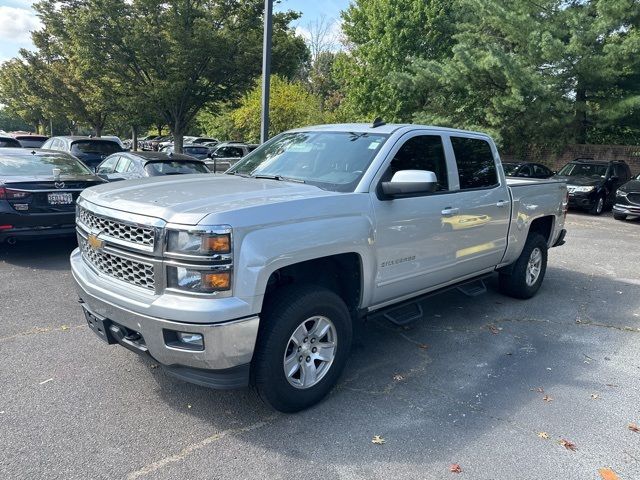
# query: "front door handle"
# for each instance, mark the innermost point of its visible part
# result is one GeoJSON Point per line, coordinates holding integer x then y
{"type": "Point", "coordinates": [450, 212]}
{"type": "Point", "coordinates": [502, 203]}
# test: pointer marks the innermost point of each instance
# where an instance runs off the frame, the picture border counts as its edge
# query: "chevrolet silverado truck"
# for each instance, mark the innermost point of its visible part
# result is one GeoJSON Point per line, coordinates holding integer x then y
{"type": "Point", "coordinates": [258, 276]}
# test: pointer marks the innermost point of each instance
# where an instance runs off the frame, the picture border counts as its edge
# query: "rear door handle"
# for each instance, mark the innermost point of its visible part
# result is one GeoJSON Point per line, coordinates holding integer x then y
{"type": "Point", "coordinates": [450, 212]}
{"type": "Point", "coordinates": [502, 203]}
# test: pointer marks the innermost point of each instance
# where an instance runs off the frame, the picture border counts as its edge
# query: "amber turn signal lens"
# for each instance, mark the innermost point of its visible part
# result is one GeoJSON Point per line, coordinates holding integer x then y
{"type": "Point", "coordinates": [216, 244]}
{"type": "Point", "coordinates": [216, 281]}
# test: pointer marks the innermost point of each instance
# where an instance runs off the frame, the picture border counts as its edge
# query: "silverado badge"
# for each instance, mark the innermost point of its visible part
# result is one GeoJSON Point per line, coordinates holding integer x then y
{"type": "Point", "coordinates": [94, 242]}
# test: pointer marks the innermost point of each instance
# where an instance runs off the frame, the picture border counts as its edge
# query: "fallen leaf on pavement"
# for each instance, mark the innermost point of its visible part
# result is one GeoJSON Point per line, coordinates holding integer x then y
{"type": "Point", "coordinates": [608, 474]}
{"type": "Point", "coordinates": [547, 398]}
{"type": "Point", "coordinates": [455, 468]}
{"type": "Point", "coordinates": [544, 435]}
{"type": "Point", "coordinates": [64, 327]}
{"type": "Point", "coordinates": [493, 329]}
{"type": "Point", "coordinates": [188, 405]}
{"type": "Point", "coordinates": [153, 365]}
{"type": "Point", "coordinates": [378, 440]}
{"type": "Point", "coordinates": [568, 445]}
{"type": "Point", "coordinates": [423, 346]}
{"type": "Point", "coordinates": [398, 378]}
{"type": "Point", "coordinates": [595, 396]}
{"type": "Point", "coordinates": [634, 427]}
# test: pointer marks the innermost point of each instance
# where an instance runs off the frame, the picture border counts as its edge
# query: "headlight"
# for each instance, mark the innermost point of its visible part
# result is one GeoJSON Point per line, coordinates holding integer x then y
{"type": "Point", "coordinates": [199, 243]}
{"type": "Point", "coordinates": [198, 281]}
{"type": "Point", "coordinates": [583, 189]}
{"type": "Point", "coordinates": [621, 193]}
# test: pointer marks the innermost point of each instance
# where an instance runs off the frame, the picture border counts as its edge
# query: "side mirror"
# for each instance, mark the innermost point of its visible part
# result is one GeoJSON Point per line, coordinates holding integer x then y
{"type": "Point", "coordinates": [410, 182]}
{"type": "Point", "coordinates": [103, 176]}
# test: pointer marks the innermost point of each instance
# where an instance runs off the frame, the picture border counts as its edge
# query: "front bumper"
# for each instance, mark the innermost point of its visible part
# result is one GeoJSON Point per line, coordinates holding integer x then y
{"type": "Point", "coordinates": [582, 200]}
{"type": "Point", "coordinates": [626, 209]}
{"type": "Point", "coordinates": [228, 345]}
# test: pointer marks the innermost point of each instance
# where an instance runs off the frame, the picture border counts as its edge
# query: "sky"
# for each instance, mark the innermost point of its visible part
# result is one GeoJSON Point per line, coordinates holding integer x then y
{"type": "Point", "coordinates": [17, 19]}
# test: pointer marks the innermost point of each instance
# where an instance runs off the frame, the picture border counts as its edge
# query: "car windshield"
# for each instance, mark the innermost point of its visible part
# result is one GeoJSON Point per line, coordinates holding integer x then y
{"type": "Point", "coordinates": [583, 170]}
{"type": "Point", "coordinates": [29, 165]}
{"type": "Point", "coordinates": [510, 168]}
{"type": "Point", "coordinates": [330, 160]}
{"type": "Point", "coordinates": [31, 142]}
{"type": "Point", "coordinates": [104, 147]}
{"type": "Point", "coordinates": [175, 168]}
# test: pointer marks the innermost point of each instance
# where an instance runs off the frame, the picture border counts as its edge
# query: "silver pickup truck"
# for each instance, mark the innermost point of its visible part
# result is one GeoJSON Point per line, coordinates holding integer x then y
{"type": "Point", "coordinates": [259, 275]}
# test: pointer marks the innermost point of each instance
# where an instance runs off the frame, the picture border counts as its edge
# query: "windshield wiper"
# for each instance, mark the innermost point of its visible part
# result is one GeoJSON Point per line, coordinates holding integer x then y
{"type": "Point", "coordinates": [243, 175]}
{"type": "Point", "coordinates": [280, 178]}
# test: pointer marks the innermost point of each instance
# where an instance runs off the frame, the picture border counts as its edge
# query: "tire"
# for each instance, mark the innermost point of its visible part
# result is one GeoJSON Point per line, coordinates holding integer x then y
{"type": "Point", "coordinates": [599, 206]}
{"type": "Point", "coordinates": [517, 282]}
{"type": "Point", "coordinates": [283, 315]}
{"type": "Point", "coordinates": [619, 216]}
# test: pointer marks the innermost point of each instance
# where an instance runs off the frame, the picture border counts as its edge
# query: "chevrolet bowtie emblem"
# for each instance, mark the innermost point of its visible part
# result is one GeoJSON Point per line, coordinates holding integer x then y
{"type": "Point", "coordinates": [94, 242]}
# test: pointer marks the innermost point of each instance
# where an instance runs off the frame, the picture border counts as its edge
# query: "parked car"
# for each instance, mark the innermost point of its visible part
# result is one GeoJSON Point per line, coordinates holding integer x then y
{"type": "Point", "coordinates": [592, 184]}
{"type": "Point", "coordinates": [144, 143]}
{"type": "Point", "coordinates": [91, 151]}
{"type": "Point", "coordinates": [130, 165]}
{"type": "Point", "coordinates": [157, 143]}
{"type": "Point", "coordinates": [116, 139]}
{"type": "Point", "coordinates": [206, 140]}
{"type": "Point", "coordinates": [31, 141]}
{"type": "Point", "coordinates": [526, 169]}
{"type": "Point", "coordinates": [258, 276]}
{"type": "Point", "coordinates": [201, 152]}
{"type": "Point", "coordinates": [225, 155]}
{"type": "Point", "coordinates": [38, 191]}
{"type": "Point", "coordinates": [9, 142]}
{"type": "Point", "coordinates": [627, 199]}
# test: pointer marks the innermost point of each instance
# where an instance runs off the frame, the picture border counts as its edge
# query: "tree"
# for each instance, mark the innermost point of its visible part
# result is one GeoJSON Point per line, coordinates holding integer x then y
{"type": "Point", "coordinates": [548, 72]}
{"type": "Point", "coordinates": [382, 36]}
{"type": "Point", "coordinates": [292, 106]}
{"type": "Point", "coordinates": [175, 57]}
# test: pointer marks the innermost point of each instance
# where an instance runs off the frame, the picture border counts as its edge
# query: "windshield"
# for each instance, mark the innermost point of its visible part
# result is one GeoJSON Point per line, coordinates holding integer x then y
{"type": "Point", "coordinates": [30, 165]}
{"type": "Point", "coordinates": [583, 170]}
{"type": "Point", "coordinates": [104, 147]}
{"type": "Point", "coordinates": [175, 168]}
{"type": "Point", "coordinates": [510, 168]}
{"type": "Point", "coordinates": [330, 160]}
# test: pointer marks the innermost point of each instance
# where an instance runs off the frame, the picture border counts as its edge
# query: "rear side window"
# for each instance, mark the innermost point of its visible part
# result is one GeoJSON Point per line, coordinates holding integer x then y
{"type": "Point", "coordinates": [424, 152]}
{"type": "Point", "coordinates": [476, 166]}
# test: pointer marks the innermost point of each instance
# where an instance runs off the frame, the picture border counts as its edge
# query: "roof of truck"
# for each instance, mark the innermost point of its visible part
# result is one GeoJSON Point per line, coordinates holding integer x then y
{"type": "Point", "coordinates": [386, 129]}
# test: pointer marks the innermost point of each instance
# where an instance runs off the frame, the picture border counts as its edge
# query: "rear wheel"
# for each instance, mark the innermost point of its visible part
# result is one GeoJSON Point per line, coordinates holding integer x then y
{"type": "Point", "coordinates": [619, 216]}
{"type": "Point", "coordinates": [303, 345]}
{"type": "Point", "coordinates": [598, 207]}
{"type": "Point", "coordinates": [527, 273]}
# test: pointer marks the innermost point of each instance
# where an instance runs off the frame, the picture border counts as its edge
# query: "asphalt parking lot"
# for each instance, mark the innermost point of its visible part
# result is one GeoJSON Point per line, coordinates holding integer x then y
{"type": "Point", "coordinates": [478, 382]}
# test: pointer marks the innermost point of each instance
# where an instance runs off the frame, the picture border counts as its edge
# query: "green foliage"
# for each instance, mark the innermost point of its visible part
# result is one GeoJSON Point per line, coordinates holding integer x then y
{"type": "Point", "coordinates": [382, 35]}
{"type": "Point", "coordinates": [291, 106]}
{"type": "Point", "coordinates": [548, 72]}
{"type": "Point", "coordinates": [9, 122]}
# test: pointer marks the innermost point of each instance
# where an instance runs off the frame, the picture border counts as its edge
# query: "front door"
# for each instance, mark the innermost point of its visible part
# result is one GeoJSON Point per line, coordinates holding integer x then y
{"type": "Point", "coordinates": [415, 245]}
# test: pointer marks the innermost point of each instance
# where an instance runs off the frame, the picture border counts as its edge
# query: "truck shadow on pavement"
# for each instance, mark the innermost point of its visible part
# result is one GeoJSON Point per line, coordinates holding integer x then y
{"type": "Point", "coordinates": [468, 368]}
{"type": "Point", "coordinates": [46, 254]}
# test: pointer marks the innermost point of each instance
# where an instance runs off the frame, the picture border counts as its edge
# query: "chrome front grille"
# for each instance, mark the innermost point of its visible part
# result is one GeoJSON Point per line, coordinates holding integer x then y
{"type": "Point", "coordinates": [124, 269]}
{"type": "Point", "coordinates": [634, 198]}
{"type": "Point", "coordinates": [136, 234]}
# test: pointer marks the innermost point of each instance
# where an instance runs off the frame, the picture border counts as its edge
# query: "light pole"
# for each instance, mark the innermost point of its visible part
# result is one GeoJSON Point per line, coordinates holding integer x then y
{"type": "Point", "coordinates": [266, 69]}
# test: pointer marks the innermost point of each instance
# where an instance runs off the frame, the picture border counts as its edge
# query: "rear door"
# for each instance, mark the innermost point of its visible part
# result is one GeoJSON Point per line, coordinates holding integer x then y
{"type": "Point", "coordinates": [481, 221]}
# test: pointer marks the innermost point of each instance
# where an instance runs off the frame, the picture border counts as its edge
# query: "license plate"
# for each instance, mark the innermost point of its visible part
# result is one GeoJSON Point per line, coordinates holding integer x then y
{"type": "Point", "coordinates": [60, 198]}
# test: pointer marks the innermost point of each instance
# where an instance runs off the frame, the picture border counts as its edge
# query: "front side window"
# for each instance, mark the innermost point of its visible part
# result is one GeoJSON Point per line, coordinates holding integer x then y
{"type": "Point", "coordinates": [423, 152]}
{"type": "Point", "coordinates": [109, 165]}
{"type": "Point", "coordinates": [333, 161]}
{"type": "Point", "coordinates": [476, 166]}
{"type": "Point", "coordinates": [158, 168]}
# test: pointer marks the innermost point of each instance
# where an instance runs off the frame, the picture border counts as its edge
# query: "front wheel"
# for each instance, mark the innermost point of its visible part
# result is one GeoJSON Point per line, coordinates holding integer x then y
{"type": "Point", "coordinates": [527, 273]}
{"type": "Point", "coordinates": [303, 346]}
{"type": "Point", "coordinates": [598, 207]}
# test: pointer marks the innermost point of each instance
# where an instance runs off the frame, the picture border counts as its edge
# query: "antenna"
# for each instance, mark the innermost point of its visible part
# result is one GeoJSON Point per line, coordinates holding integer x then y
{"type": "Point", "coordinates": [378, 122]}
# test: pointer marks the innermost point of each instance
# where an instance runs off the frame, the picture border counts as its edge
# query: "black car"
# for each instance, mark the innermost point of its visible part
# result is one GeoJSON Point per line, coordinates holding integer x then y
{"type": "Point", "coordinates": [91, 151]}
{"type": "Point", "coordinates": [628, 199]}
{"type": "Point", "coordinates": [38, 191]}
{"type": "Point", "coordinates": [9, 142]}
{"type": "Point", "coordinates": [31, 141]}
{"type": "Point", "coordinates": [526, 169]}
{"type": "Point", "coordinates": [130, 165]}
{"type": "Point", "coordinates": [201, 152]}
{"type": "Point", "coordinates": [592, 184]}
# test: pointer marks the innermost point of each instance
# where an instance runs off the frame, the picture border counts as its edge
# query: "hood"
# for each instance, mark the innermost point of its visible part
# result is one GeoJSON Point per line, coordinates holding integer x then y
{"type": "Point", "coordinates": [580, 181]}
{"type": "Point", "coordinates": [187, 199]}
{"type": "Point", "coordinates": [631, 186]}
